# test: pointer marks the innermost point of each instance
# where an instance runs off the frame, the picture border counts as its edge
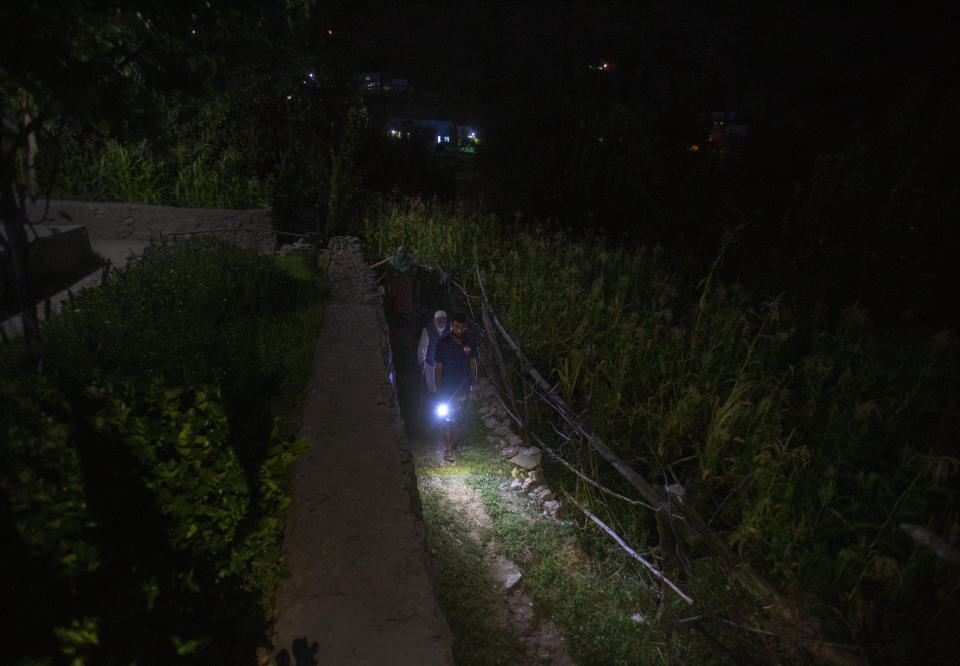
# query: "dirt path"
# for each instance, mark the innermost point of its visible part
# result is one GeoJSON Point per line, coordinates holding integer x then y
{"type": "Point", "coordinates": [361, 590]}
{"type": "Point", "coordinates": [537, 640]}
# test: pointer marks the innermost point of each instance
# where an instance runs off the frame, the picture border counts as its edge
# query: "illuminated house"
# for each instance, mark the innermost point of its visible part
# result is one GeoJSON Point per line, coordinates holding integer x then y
{"type": "Point", "coordinates": [368, 82]}
{"type": "Point", "coordinates": [726, 128]}
{"type": "Point", "coordinates": [447, 135]}
{"type": "Point", "coordinates": [378, 83]}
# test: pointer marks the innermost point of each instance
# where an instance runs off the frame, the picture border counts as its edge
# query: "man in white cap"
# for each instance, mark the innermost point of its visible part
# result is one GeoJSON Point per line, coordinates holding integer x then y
{"type": "Point", "coordinates": [427, 349]}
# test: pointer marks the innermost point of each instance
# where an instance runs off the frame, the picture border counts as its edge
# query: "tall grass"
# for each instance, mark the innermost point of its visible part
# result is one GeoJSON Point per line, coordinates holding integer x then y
{"type": "Point", "coordinates": [190, 177]}
{"type": "Point", "coordinates": [805, 440]}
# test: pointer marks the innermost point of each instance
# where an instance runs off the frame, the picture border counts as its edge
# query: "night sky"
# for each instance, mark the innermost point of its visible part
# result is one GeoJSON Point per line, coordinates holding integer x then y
{"type": "Point", "coordinates": [488, 56]}
{"type": "Point", "coordinates": [851, 109]}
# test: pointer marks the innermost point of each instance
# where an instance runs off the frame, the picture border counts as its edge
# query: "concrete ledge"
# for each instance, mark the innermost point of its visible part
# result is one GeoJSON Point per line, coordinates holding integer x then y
{"type": "Point", "coordinates": [78, 237]}
{"type": "Point", "coordinates": [143, 222]}
{"type": "Point", "coordinates": [361, 587]}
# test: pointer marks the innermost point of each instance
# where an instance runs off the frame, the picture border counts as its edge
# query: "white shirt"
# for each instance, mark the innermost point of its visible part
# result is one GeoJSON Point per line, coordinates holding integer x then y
{"type": "Point", "coordinates": [425, 343]}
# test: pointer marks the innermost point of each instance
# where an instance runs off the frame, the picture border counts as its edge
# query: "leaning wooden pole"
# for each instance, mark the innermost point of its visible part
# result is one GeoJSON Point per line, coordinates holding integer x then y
{"type": "Point", "coordinates": [492, 335]}
{"type": "Point", "coordinates": [634, 554]}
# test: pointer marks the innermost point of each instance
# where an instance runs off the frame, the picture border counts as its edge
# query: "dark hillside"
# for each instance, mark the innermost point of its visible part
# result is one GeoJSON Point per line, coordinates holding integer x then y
{"type": "Point", "coordinates": [823, 136]}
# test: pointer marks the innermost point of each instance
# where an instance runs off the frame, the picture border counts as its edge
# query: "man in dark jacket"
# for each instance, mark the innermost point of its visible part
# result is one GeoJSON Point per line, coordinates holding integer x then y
{"type": "Point", "coordinates": [455, 374]}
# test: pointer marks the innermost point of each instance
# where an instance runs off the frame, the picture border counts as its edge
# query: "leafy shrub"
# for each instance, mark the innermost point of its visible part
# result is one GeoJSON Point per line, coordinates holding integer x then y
{"type": "Point", "coordinates": [162, 455]}
{"type": "Point", "coordinates": [113, 171]}
{"type": "Point", "coordinates": [144, 476]}
{"type": "Point", "coordinates": [187, 311]}
{"type": "Point", "coordinates": [41, 477]}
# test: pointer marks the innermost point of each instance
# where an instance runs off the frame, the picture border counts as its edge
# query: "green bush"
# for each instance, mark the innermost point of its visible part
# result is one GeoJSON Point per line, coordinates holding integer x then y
{"type": "Point", "coordinates": [137, 478]}
{"type": "Point", "coordinates": [143, 476]}
{"type": "Point", "coordinates": [188, 311]}
{"type": "Point", "coordinates": [41, 478]}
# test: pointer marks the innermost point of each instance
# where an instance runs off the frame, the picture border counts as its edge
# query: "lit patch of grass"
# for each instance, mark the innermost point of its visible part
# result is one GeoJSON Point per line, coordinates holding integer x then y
{"type": "Point", "coordinates": [465, 588]}
{"type": "Point", "coordinates": [588, 586]}
{"type": "Point", "coordinates": [591, 607]}
{"type": "Point", "coordinates": [591, 601]}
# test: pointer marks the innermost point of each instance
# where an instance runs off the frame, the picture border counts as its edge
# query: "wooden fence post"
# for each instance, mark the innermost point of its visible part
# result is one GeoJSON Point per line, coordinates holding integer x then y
{"type": "Point", "coordinates": [492, 335]}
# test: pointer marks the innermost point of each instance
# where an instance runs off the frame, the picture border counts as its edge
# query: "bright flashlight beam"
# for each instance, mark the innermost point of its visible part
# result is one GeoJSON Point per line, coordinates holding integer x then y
{"type": "Point", "coordinates": [442, 410]}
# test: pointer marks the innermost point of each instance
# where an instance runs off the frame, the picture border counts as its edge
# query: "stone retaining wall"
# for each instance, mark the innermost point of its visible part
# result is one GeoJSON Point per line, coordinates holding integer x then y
{"type": "Point", "coordinates": [142, 222]}
{"type": "Point", "coordinates": [361, 587]}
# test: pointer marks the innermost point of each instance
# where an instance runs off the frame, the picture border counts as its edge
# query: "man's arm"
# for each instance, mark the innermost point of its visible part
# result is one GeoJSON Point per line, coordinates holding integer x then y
{"type": "Point", "coordinates": [437, 374]}
{"type": "Point", "coordinates": [422, 347]}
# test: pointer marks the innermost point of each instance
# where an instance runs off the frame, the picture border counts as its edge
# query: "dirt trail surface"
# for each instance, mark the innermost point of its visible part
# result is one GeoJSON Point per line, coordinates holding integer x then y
{"type": "Point", "coordinates": [361, 590]}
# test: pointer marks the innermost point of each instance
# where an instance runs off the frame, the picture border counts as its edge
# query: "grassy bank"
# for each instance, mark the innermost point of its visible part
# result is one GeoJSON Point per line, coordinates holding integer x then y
{"type": "Point", "coordinates": [143, 471]}
{"type": "Point", "coordinates": [606, 607]}
{"type": "Point", "coordinates": [806, 440]}
{"type": "Point", "coordinates": [191, 178]}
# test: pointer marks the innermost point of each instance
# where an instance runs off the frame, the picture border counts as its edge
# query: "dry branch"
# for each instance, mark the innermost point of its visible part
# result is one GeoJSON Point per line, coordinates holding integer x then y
{"type": "Point", "coordinates": [556, 456]}
{"type": "Point", "coordinates": [654, 570]}
{"type": "Point", "coordinates": [491, 333]}
{"type": "Point", "coordinates": [650, 492]}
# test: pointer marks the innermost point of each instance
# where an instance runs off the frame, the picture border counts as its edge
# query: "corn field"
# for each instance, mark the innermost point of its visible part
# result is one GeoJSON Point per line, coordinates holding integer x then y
{"type": "Point", "coordinates": [807, 440]}
{"type": "Point", "coordinates": [188, 178]}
